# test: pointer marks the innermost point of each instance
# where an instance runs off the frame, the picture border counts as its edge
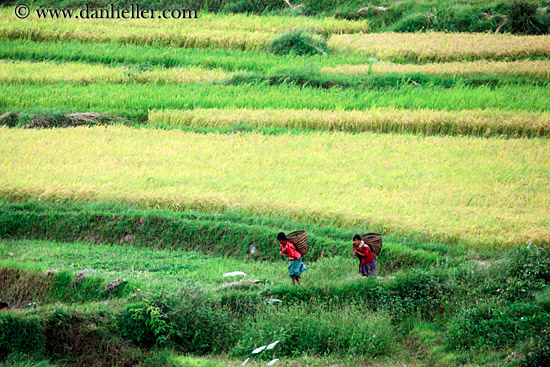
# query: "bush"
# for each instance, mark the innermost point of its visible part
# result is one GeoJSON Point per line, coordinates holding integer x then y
{"type": "Point", "coordinates": [147, 323]}
{"type": "Point", "coordinates": [523, 18]}
{"type": "Point", "coordinates": [418, 291]}
{"type": "Point", "coordinates": [315, 329]}
{"type": "Point", "coordinates": [301, 41]}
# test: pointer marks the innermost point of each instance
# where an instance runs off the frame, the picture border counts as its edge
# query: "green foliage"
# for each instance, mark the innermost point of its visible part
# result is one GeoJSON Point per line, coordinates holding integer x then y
{"type": "Point", "coordinates": [313, 329]}
{"type": "Point", "coordinates": [149, 56]}
{"type": "Point", "coordinates": [24, 360]}
{"type": "Point", "coordinates": [189, 321]}
{"type": "Point", "coordinates": [20, 335]}
{"type": "Point", "coordinates": [416, 292]}
{"type": "Point", "coordinates": [524, 18]}
{"type": "Point", "coordinates": [22, 288]}
{"type": "Point", "coordinates": [80, 339]}
{"type": "Point", "coordinates": [147, 323]}
{"type": "Point", "coordinates": [497, 325]}
{"type": "Point", "coordinates": [301, 41]}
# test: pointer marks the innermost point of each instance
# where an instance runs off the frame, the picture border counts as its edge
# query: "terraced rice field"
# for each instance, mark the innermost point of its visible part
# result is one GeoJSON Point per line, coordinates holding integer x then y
{"type": "Point", "coordinates": [199, 146]}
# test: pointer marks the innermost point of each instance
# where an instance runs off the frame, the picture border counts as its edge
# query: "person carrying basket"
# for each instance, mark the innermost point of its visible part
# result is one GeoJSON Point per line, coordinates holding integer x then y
{"type": "Point", "coordinates": [296, 266]}
{"type": "Point", "coordinates": [367, 258]}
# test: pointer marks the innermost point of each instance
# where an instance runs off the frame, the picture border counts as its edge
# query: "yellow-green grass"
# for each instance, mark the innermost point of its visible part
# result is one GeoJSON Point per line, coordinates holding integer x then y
{"type": "Point", "coordinates": [540, 68]}
{"type": "Point", "coordinates": [208, 31]}
{"type": "Point", "coordinates": [484, 193]}
{"type": "Point", "coordinates": [438, 46]}
{"type": "Point", "coordinates": [225, 22]}
{"type": "Point", "coordinates": [79, 72]}
{"type": "Point", "coordinates": [466, 122]}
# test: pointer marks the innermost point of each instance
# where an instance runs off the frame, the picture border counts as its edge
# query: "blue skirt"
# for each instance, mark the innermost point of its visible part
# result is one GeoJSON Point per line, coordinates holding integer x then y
{"type": "Point", "coordinates": [296, 267]}
{"type": "Point", "coordinates": [368, 269]}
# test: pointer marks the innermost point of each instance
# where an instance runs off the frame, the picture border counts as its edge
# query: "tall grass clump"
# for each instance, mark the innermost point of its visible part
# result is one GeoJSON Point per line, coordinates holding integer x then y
{"type": "Point", "coordinates": [318, 330]}
{"type": "Point", "coordinates": [301, 41]}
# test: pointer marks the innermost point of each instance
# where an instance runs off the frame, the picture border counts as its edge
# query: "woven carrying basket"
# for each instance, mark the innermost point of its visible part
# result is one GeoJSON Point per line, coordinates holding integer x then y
{"type": "Point", "coordinates": [374, 241]}
{"type": "Point", "coordinates": [299, 239]}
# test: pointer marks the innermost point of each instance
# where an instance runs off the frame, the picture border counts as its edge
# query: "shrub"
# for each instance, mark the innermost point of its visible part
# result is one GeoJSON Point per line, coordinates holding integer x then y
{"type": "Point", "coordinates": [189, 321]}
{"type": "Point", "coordinates": [418, 291]}
{"type": "Point", "coordinates": [301, 41]}
{"type": "Point", "coordinates": [147, 323]}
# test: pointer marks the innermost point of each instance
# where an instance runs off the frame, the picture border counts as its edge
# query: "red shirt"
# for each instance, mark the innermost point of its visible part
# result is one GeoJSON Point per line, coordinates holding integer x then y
{"type": "Point", "coordinates": [366, 255]}
{"type": "Point", "coordinates": [290, 251]}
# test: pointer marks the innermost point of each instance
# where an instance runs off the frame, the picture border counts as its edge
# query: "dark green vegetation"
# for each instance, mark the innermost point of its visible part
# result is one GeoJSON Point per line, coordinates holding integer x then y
{"type": "Point", "coordinates": [312, 77]}
{"type": "Point", "coordinates": [517, 16]}
{"type": "Point", "coordinates": [301, 41]}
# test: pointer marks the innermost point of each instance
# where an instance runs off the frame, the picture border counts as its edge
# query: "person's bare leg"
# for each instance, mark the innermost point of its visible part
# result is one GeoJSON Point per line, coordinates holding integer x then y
{"type": "Point", "coordinates": [298, 279]}
{"type": "Point", "coordinates": [293, 280]}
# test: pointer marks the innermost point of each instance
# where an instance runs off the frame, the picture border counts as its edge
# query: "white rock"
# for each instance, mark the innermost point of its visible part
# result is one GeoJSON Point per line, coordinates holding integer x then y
{"type": "Point", "coordinates": [272, 345]}
{"type": "Point", "coordinates": [245, 362]}
{"type": "Point", "coordinates": [234, 274]}
{"type": "Point", "coordinates": [258, 350]}
{"type": "Point", "coordinates": [273, 362]}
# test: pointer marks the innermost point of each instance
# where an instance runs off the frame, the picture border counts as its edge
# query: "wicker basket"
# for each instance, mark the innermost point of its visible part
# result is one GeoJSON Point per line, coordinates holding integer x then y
{"type": "Point", "coordinates": [374, 241]}
{"type": "Point", "coordinates": [298, 239]}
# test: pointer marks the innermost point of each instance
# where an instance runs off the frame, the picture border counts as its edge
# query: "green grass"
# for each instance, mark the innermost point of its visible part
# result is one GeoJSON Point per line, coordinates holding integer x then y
{"type": "Point", "coordinates": [137, 99]}
{"type": "Point", "coordinates": [112, 53]}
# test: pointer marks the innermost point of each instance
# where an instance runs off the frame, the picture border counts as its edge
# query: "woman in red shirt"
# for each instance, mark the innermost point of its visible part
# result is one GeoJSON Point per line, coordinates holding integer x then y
{"type": "Point", "coordinates": [296, 266]}
{"type": "Point", "coordinates": [367, 260]}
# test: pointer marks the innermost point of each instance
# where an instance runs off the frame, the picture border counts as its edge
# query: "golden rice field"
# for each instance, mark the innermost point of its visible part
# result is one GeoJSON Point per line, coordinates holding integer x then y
{"type": "Point", "coordinates": [80, 72]}
{"type": "Point", "coordinates": [539, 68]}
{"type": "Point", "coordinates": [439, 46]}
{"type": "Point", "coordinates": [466, 122]}
{"type": "Point", "coordinates": [482, 192]}
{"type": "Point", "coordinates": [205, 21]}
{"type": "Point", "coordinates": [207, 31]}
